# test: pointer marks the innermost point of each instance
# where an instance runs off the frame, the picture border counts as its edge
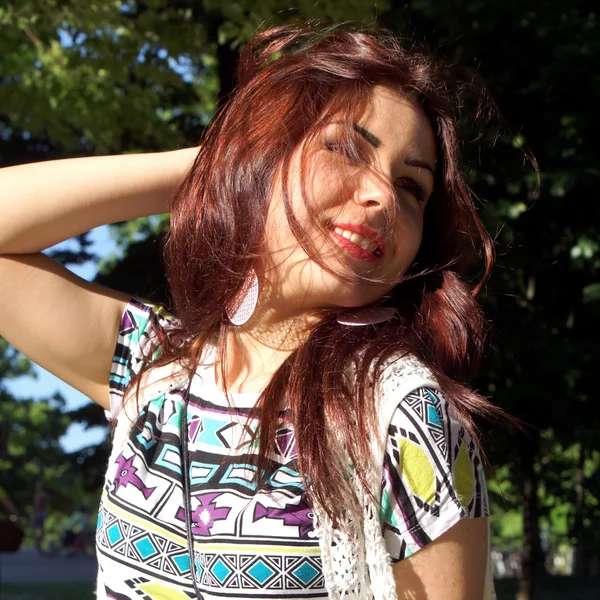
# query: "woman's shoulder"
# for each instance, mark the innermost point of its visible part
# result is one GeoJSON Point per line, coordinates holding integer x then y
{"type": "Point", "coordinates": [142, 316]}
{"type": "Point", "coordinates": [404, 365]}
{"type": "Point", "coordinates": [432, 471]}
{"type": "Point", "coordinates": [412, 400]}
{"type": "Point", "coordinates": [401, 374]}
{"type": "Point", "coordinates": [138, 345]}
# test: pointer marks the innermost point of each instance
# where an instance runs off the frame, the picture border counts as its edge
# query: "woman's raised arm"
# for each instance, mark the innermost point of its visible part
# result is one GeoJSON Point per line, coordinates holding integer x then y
{"type": "Point", "coordinates": [45, 203]}
{"type": "Point", "coordinates": [62, 322]}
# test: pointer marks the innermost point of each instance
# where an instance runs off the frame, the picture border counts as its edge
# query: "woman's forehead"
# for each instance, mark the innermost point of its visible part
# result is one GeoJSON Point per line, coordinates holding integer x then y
{"type": "Point", "coordinates": [391, 123]}
{"type": "Point", "coordinates": [396, 118]}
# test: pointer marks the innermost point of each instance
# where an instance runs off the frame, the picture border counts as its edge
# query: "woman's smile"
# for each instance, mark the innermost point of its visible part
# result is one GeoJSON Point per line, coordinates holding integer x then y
{"type": "Point", "coordinates": [360, 241]}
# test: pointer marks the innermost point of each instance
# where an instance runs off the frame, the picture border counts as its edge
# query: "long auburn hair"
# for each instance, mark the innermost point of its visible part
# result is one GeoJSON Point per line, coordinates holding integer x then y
{"type": "Point", "coordinates": [289, 78]}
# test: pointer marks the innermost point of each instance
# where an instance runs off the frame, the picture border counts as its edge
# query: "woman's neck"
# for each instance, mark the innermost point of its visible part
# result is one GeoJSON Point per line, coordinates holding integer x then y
{"type": "Point", "coordinates": [255, 350]}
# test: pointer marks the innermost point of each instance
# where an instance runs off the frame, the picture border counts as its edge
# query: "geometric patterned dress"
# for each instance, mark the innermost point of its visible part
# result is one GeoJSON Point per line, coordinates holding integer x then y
{"type": "Point", "coordinates": [254, 543]}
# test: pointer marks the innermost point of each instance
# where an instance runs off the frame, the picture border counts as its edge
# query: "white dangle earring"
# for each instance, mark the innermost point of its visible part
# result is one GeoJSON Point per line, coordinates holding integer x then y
{"type": "Point", "coordinates": [367, 316]}
{"type": "Point", "coordinates": [242, 306]}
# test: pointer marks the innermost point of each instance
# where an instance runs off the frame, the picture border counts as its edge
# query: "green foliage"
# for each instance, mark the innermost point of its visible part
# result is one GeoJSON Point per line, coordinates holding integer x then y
{"type": "Point", "coordinates": [95, 76]}
{"type": "Point", "coordinates": [12, 363]}
{"type": "Point", "coordinates": [591, 292]}
{"type": "Point", "coordinates": [30, 448]}
{"type": "Point", "coordinates": [118, 76]}
{"type": "Point", "coordinates": [556, 467]}
{"type": "Point", "coordinates": [31, 431]}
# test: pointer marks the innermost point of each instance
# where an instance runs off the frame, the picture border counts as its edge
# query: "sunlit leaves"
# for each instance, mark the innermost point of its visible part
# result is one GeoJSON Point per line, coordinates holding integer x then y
{"type": "Point", "coordinates": [12, 363]}
{"type": "Point", "coordinates": [585, 248]}
{"type": "Point", "coordinates": [591, 293]}
{"type": "Point", "coordinates": [107, 76]}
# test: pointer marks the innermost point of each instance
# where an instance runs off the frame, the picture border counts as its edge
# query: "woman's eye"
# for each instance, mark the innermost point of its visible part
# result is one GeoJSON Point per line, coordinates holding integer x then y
{"type": "Point", "coordinates": [342, 149]}
{"type": "Point", "coordinates": [412, 187]}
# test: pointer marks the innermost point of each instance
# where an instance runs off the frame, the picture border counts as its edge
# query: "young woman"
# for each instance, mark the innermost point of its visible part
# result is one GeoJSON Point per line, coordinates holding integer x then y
{"type": "Point", "coordinates": [299, 425]}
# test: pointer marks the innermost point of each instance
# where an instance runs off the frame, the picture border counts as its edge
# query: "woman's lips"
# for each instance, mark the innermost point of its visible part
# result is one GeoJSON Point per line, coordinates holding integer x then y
{"type": "Point", "coordinates": [354, 250]}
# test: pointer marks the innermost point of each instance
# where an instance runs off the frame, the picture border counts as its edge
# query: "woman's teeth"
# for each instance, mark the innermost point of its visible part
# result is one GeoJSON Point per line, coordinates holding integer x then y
{"type": "Point", "coordinates": [359, 240]}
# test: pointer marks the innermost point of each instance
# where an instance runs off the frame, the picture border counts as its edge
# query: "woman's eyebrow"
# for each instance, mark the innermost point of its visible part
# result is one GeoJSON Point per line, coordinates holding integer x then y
{"type": "Point", "coordinates": [376, 142]}
{"type": "Point", "coordinates": [372, 139]}
{"type": "Point", "coordinates": [415, 162]}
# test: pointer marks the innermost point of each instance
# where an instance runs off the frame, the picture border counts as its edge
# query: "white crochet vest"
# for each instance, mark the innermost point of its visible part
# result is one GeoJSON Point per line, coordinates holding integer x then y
{"type": "Point", "coordinates": [356, 563]}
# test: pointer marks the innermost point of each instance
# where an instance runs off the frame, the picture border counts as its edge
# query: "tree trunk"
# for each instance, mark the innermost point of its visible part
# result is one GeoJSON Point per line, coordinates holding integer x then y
{"type": "Point", "coordinates": [227, 55]}
{"type": "Point", "coordinates": [227, 58]}
{"type": "Point", "coordinates": [532, 552]}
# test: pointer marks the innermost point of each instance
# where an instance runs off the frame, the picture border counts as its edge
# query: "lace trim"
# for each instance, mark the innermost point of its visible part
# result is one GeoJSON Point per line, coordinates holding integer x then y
{"type": "Point", "coordinates": [356, 563]}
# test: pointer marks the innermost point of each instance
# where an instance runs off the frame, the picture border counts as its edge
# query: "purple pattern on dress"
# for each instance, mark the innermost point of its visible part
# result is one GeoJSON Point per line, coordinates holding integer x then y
{"type": "Point", "coordinates": [195, 425]}
{"type": "Point", "coordinates": [126, 322]}
{"type": "Point", "coordinates": [300, 515]}
{"type": "Point", "coordinates": [126, 474]}
{"type": "Point", "coordinates": [286, 444]}
{"type": "Point", "coordinates": [205, 515]}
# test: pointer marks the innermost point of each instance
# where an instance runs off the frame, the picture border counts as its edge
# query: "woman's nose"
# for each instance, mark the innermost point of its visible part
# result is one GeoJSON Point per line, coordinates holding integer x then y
{"type": "Point", "coordinates": [375, 193]}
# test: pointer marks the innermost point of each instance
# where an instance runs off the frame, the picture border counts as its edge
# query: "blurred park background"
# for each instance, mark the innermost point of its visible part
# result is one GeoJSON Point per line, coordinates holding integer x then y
{"type": "Point", "coordinates": [118, 76]}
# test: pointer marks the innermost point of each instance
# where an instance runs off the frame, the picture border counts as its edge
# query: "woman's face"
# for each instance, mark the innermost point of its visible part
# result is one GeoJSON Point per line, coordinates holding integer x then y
{"type": "Point", "coordinates": [366, 225]}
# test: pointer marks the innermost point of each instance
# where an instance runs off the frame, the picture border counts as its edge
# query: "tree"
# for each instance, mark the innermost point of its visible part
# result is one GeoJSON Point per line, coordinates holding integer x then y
{"type": "Point", "coordinates": [30, 448]}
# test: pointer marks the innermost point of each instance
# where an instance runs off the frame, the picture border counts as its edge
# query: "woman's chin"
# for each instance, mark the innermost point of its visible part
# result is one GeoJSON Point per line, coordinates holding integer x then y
{"type": "Point", "coordinates": [352, 302]}
{"type": "Point", "coordinates": [356, 298]}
